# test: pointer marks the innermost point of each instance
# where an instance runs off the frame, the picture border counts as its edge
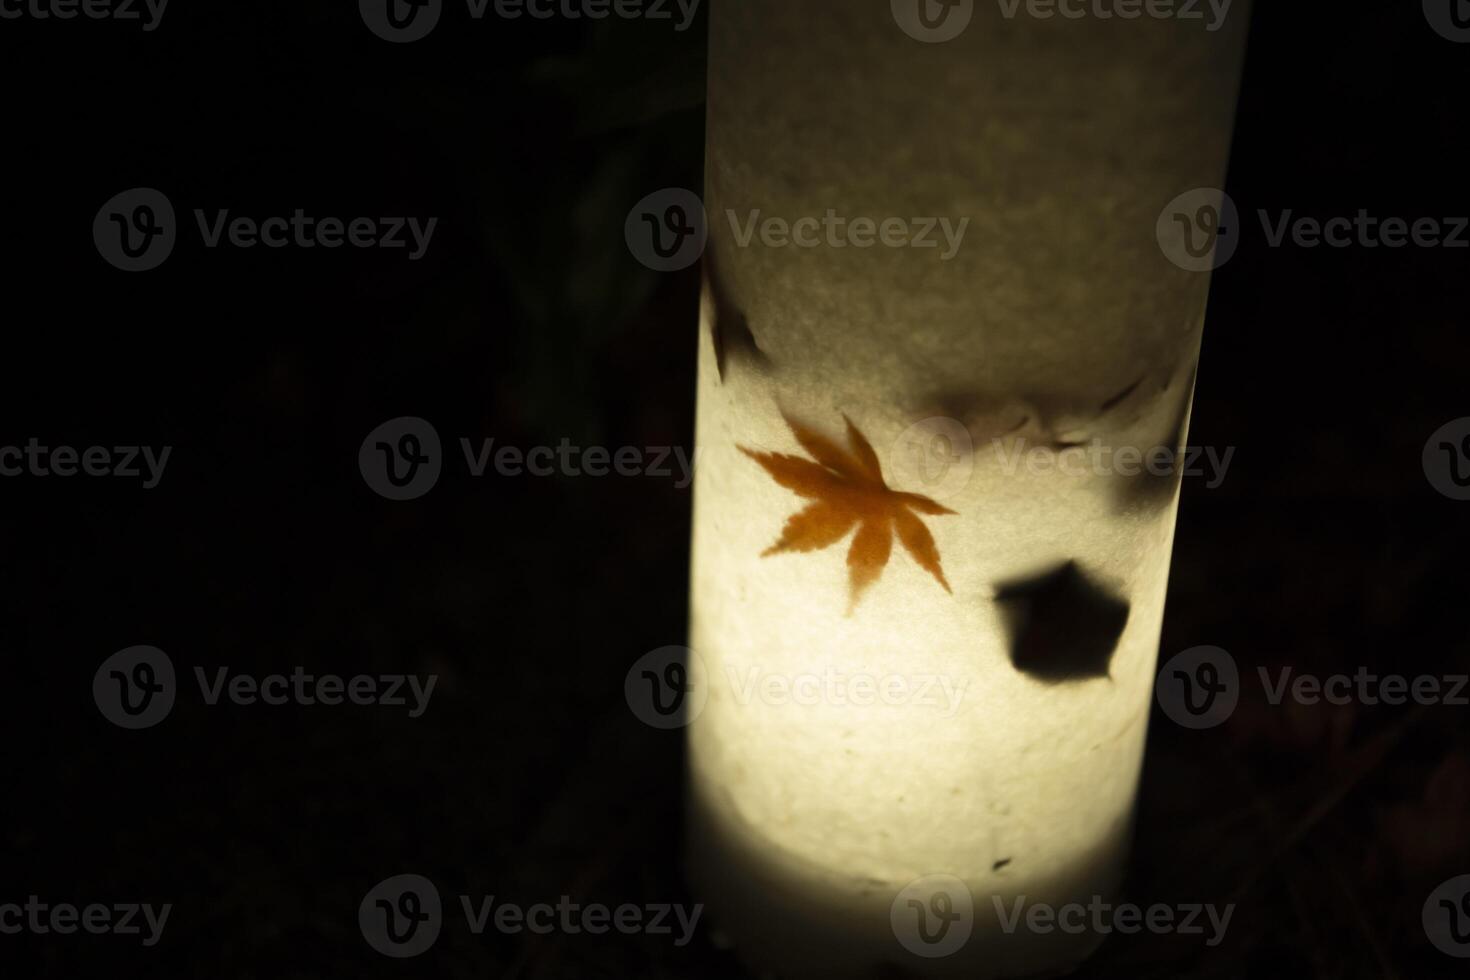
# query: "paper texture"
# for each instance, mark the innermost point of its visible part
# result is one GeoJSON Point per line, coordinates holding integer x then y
{"type": "Point", "coordinates": [1057, 320]}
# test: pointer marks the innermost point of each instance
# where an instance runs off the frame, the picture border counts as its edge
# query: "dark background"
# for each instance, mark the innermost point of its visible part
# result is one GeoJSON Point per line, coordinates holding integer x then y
{"type": "Point", "coordinates": [529, 321]}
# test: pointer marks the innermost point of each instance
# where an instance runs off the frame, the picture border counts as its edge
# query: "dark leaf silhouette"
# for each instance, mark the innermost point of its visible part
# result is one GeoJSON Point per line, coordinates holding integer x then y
{"type": "Point", "coordinates": [729, 328]}
{"type": "Point", "coordinates": [1120, 397]}
{"type": "Point", "coordinates": [1064, 627]}
{"type": "Point", "coordinates": [847, 491]}
{"type": "Point", "coordinates": [1041, 418]}
{"type": "Point", "coordinates": [1148, 490]}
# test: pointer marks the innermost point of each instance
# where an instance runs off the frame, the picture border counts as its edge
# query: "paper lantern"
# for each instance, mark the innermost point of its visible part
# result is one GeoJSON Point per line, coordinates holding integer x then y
{"type": "Point", "coordinates": [909, 480]}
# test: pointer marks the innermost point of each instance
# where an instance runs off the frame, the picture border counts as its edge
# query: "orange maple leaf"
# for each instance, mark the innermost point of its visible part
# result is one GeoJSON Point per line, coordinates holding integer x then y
{"type": "Point", "coordinates": [846, 488]}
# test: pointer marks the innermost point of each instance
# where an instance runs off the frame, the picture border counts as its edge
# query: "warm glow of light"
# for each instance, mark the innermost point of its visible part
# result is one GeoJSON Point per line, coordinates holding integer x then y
{"type": "Point", "coordinates": [1058, 319]}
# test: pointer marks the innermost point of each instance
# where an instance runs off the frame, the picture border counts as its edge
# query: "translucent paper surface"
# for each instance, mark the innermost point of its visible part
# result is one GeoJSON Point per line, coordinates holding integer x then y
{"type": "Point", "coordinates": [1058, 320]}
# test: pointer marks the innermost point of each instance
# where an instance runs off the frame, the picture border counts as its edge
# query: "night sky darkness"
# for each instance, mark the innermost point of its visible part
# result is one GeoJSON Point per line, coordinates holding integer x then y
{"type": "Point", "coordinates": [527, 320]}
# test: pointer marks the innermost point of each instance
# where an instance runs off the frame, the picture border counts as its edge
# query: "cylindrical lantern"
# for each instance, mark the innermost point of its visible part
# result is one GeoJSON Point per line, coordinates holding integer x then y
{"type": "Point", "coordinates": [949, 320]}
